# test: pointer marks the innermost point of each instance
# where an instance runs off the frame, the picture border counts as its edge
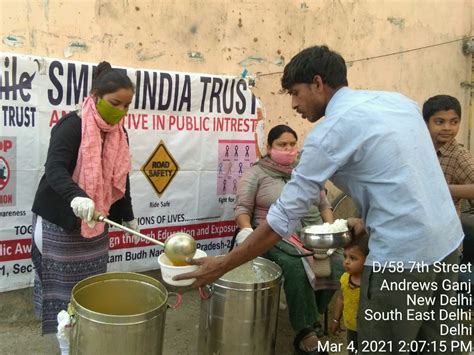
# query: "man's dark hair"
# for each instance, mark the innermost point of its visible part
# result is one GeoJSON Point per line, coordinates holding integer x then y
{"type": "Point", "coordinates": [317, 60]}
{"type": "Point", "coordinates": [277, 131]}
{"type": "Point", "coordinates": [440, 103]}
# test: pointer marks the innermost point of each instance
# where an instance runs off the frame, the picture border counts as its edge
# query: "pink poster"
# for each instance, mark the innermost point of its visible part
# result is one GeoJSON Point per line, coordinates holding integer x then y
{"type": "Point", "coordinates": [235, 156]}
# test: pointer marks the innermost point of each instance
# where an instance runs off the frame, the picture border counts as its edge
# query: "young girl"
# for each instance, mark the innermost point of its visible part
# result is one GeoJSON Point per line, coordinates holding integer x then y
{"type": "Point", "coordinates": [347, 302]}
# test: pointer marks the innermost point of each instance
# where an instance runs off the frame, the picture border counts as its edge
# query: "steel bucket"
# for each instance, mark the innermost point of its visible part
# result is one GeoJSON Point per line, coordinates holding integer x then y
{"type": "Point", "coordinates": [239, 315]}
{"type": "Point", "coordinates": [118, 313]}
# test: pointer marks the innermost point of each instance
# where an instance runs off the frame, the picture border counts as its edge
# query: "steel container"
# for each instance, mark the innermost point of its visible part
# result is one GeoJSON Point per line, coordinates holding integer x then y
{"type": "Point", "coordinates": [240, 316]}
{"type": "Point", "coordinates": [118, 313]}
{"type": "Point", "coordinates": [324, 240]}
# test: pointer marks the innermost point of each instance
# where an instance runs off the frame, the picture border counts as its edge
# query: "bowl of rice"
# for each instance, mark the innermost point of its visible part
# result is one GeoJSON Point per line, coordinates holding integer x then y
{"type": "Point", "coordinates": [326, 236]}
{"type": "Point", "coordinates": [169, 270]}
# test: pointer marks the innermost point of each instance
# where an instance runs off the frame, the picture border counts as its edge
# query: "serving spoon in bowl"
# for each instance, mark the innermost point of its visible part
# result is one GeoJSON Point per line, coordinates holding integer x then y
{"type": "Point", "coordinates": [179, 247]}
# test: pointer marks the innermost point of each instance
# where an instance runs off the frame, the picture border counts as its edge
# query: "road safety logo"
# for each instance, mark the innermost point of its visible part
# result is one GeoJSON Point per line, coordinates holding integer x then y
{"type": "Point", "coordinates": [160, 168]}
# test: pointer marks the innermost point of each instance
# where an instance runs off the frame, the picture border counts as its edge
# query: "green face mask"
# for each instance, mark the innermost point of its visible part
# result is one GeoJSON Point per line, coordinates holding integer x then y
{"type": "Point", "coordinates": [110, 114]}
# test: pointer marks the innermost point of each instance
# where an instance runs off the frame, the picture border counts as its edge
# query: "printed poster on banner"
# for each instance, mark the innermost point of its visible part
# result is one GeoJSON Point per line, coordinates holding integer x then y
{"type": "Point", "coordinates": [179, 126]}
{"type": "Point", "coordinates": [7, 171]}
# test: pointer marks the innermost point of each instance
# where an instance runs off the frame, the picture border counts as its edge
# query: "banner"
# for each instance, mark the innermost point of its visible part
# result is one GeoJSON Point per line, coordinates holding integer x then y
{"type": "Point", "coordinates": [191, 138]}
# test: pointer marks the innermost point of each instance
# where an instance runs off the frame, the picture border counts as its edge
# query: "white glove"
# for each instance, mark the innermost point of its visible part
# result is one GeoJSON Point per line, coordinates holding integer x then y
{"type": "Point", "coordinates": [133, 224]}
{"type": "Point", "coordinates": [83, 207]}
{"type": "Point", "coordinates": [242, 235]}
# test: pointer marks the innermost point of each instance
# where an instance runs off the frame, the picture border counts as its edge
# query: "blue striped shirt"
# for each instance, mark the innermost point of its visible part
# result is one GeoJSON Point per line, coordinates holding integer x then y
{"type": "Point", "coordinates": [375, 147]}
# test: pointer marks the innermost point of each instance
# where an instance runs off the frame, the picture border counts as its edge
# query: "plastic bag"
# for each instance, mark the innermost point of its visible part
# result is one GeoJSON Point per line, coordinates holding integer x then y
{"type": "Point", "coordinates": [64, 331]}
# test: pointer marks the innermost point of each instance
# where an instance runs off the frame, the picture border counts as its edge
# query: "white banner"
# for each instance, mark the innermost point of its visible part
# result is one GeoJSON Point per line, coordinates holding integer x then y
{"type": "Point", "coordinates": [191, 137]}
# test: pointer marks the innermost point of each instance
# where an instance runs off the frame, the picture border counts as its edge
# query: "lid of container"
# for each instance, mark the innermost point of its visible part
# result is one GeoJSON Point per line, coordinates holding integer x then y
{"type": "Point", "coordinates": [256, 274]}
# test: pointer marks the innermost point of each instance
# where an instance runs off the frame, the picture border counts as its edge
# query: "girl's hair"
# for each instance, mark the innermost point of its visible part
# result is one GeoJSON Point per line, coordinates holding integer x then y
{"type": "Point", "coordinates": [277, 131]}
{"type": "Point", "coordinates": [362, 243]}
{"type": "Point", "coordinates": [106, 80]}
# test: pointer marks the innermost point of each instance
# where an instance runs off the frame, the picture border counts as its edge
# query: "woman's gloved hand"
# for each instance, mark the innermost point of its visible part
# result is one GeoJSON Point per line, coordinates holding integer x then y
{"type": "Point", "coordinates": [133, 224]}
{"type": "Point", "coordinates": [83, 207]}
{"type": "Point", "coordinates": [242, 235]}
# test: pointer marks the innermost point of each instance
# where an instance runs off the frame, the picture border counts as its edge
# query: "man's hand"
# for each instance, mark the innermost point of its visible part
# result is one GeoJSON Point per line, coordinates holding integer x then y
{"type": "Point", "coordinates": [210, 269]}
{"type": "Point", "coordinates": [357, 227]}
{"type": "Point", "coordinates": [83, 207]}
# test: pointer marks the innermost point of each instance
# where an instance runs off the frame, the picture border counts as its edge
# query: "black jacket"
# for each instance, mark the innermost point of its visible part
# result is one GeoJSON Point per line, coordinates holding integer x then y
{"type": "Point", "coordinates": [57, 189]}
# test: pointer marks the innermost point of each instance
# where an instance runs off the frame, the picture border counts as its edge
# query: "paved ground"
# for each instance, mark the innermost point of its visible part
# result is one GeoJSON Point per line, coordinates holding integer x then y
{"type": "Point", "coordinates": [20, 332]}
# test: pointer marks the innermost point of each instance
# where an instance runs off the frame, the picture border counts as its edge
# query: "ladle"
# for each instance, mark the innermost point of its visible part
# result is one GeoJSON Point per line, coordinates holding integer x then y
{"type": "Point", "coordinates": [179, 247]}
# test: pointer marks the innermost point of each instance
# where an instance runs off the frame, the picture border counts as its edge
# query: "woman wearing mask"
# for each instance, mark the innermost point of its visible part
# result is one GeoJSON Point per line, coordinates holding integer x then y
{"type": "Point", "coordinates": [260, 186]}
{"type": "Point", "coordinates": [86, 169]}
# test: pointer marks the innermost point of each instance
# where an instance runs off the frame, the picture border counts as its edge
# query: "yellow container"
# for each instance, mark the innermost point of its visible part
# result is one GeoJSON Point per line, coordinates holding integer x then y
{"type": "Point", "coordinates": [118, 313]}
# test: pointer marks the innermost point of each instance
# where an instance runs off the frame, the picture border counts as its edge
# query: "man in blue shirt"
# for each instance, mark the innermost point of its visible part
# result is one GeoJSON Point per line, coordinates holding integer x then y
{"type": "Point", "coordinates": [375, 147]}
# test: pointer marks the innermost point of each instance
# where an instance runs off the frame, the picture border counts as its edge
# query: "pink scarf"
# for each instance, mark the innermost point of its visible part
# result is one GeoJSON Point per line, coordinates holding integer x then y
{"type": "Point", "coordinates": [102, 164]}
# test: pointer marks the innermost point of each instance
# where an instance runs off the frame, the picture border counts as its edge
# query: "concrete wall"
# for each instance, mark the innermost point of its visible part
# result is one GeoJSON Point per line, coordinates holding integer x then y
{"type": "Point", "coordinates": [224, 37]}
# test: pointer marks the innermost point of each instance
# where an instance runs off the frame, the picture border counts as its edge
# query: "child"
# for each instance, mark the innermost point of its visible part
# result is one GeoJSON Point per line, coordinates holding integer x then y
{"type": "Point", "coordinates": [442, 114]}
{"type": "Point", "coordinates": [347, 302]}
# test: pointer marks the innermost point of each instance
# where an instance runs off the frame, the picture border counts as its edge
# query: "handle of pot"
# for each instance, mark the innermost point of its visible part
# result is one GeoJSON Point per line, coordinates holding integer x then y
{"type": "Point", "coordinates": [71, 311]}
{"type": "Point", "coordinates": [179, 299]}
{"type": "Point", "coordinates": [203, 294]}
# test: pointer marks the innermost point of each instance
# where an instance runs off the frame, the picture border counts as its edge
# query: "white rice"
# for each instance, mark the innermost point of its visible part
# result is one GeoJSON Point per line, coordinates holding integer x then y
{"type": "Point", "coordinates": [250, 272]}
{"type": "Point", "coordinates": [339, 225]}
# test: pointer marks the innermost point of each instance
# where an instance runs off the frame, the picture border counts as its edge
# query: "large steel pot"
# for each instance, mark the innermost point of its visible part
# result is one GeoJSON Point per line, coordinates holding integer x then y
{"type": "Point", "coordinates": [239, 315]}
{"type": "Point", "coordinates": [118, 313]}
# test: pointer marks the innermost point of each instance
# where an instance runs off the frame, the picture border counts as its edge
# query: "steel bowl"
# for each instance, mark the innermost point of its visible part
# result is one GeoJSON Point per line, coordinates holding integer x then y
{"type": "Point", "coordinates": [313, 240]}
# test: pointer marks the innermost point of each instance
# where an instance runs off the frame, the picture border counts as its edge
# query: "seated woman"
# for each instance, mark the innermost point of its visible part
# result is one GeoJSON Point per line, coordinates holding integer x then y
{"type": "Point", "coordinates": [260, 186]}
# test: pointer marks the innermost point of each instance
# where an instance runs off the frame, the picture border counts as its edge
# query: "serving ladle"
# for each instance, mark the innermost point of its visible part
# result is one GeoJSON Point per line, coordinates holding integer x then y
{"type": "Point", "coordinates": [179, 247]}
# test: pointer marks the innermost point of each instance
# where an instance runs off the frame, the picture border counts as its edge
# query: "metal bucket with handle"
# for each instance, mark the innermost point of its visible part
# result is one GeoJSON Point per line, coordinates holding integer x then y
{"type": "Point", "coordinates": [239, 311]}
{"type": "Point", "coordinates": [119, 313]}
